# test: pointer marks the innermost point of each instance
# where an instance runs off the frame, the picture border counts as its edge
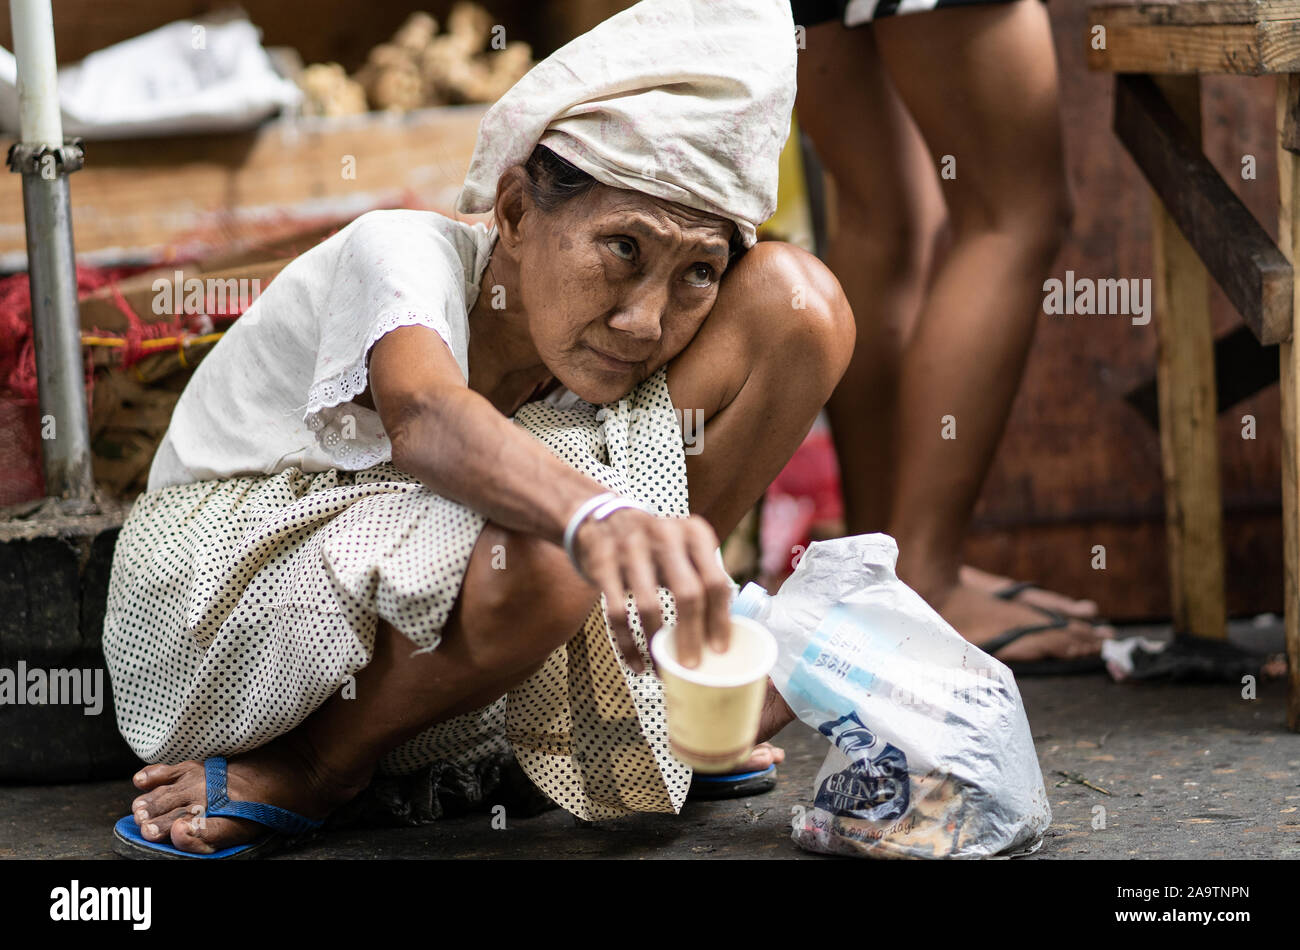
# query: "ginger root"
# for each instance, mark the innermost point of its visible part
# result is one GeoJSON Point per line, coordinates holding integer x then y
{"type": "Point", "coordinates": [328, 91]}
{"type": "Point", "coordinates": [470, 25]}
{"type": "Point", "coordinates": [416, 33]}
{"type": "Point", "coordinates": [421, 67]}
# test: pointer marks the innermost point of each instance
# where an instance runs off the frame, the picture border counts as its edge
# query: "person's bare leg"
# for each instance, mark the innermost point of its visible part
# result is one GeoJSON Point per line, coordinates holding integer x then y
{"type": "Point", "coordinates": [888, 209]}
{"type": "Point", "coordinates": [488, 646]}
{"type": "Point", "coordinates": [759, 371]}
{"type": "Point", "coordinates": [981, 83]}
{"type": "Point", "coordinates": [890, 214]}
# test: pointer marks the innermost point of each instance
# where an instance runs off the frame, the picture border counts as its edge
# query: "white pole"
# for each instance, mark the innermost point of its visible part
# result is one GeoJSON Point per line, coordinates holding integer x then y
{"type": "Point", "coordinates": [45, 161]}
{"type": "Point", "coordinates": [38, 83]}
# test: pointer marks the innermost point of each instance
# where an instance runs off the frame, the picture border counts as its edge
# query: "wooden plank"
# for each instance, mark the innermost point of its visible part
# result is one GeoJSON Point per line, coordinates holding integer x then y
{"type": "Point", "coordinates": [1194, 12]}
{"type": "Point", "coordinates": [99, 309]}
{"type": "Point", "coordinates": [1243, 49]}
{"type": "Point", "coordinates": [1242, 368]}
{"type": "Point", "coordinates": [1289, 234]}
{"type": "Point", "coordinates": [1290, 137]}
{"type": "Point", "coordinates": [1235, 248]}
{"type": "Point", "coordinates": [177, 197]}
{"type": "Point", "coordinates": [287, 246]}
{"type": "Point", "coordinates": [1188, 441]}
{"type": "Point", "coordinates": [261, 262]}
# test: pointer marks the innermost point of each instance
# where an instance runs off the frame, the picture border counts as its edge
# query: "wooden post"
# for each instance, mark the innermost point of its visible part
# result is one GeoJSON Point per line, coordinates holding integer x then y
{"type": "Point", "coordinates": [1288, 165]}
{"type": "Point", "coordinates": [1185, 377]}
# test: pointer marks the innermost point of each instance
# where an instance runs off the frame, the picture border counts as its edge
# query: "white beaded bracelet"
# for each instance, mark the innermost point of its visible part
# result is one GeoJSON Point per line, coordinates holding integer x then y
{"type": "Point", "coordinates": [599, 507]}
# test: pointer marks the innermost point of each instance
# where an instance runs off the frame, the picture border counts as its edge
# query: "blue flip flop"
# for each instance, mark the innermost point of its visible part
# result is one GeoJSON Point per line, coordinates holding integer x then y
{"type": "Point", "coordinates": [287, 828]}
{"type": "Point", "coordinates": [732, 784]}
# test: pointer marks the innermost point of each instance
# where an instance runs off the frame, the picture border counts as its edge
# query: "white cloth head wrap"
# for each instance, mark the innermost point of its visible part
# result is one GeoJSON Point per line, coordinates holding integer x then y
{"type": "Point", "coordinates": [685, 100]}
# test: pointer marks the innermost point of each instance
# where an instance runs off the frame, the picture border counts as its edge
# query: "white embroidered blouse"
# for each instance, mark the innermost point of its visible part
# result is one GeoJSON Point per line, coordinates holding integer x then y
{"type": "Point", "coordinates": [277, 390]}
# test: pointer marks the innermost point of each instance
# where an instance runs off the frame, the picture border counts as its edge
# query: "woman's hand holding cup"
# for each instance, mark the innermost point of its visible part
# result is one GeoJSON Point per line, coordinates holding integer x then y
{"type": "Point", "coordinates": [630, 549]}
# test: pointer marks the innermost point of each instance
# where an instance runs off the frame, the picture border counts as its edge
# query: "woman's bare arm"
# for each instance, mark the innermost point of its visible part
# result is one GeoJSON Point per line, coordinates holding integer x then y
{"type": "Point", "coordinates": [456, 442]}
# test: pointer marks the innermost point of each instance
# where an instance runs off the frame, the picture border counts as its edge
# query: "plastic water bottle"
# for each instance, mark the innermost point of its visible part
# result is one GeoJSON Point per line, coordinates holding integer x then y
{"type": "Point", "coordinates": [753, 602]}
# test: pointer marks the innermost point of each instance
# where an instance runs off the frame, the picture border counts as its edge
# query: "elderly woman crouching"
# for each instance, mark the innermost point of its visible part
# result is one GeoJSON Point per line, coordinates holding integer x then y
{"type": "Point", "coordinates": [292, 569]}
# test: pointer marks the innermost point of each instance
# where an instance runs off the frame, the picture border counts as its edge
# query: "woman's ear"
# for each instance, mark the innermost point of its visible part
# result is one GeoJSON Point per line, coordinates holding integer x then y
{"type": "Point", "coordinates": [512, 205]}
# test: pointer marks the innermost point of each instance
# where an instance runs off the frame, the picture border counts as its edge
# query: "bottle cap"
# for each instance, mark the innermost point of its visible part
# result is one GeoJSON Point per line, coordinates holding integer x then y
{"type": "Point", "coordinates": [750, 601]}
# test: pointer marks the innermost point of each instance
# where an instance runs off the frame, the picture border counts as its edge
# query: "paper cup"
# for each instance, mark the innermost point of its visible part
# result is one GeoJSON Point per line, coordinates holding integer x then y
{"type": "Point", "coordinates": [713, 710]}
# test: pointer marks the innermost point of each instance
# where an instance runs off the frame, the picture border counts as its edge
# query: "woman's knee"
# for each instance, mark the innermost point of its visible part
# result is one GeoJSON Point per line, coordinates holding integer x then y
{"type": "Point", "coordinates": [794, 311]}
{"type": "Point", "coordinates": [892, 250]}
{"type": "Point", "coordinates": [521, 599]}
{"type": "Point", "coordinates": [1007, 174]}
{"type": "Point", "coordinates": [1035, 213]}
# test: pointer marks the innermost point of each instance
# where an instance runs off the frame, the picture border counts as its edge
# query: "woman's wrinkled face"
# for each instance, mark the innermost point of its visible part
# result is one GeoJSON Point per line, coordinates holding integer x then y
{"type": "Point", "coordinates": [615, 284]}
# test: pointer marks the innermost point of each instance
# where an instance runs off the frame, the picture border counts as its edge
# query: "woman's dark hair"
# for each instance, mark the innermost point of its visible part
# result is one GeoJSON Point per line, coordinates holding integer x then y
{"type": "Point", "coordinates": [553, 181]}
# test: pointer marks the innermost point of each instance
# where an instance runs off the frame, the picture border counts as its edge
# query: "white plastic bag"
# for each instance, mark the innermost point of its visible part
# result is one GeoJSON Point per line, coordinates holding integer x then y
{"type": "Point", "coordinates": [931, 752]}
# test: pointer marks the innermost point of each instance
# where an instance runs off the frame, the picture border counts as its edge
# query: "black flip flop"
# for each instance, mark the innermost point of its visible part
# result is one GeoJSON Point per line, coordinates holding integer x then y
{"type": "Point", "coordinates": [1012, 591]}
{"type": "Point", "coordinates": [1055, 667]}
{"type": "Point", "coordinates": [1015, 589]}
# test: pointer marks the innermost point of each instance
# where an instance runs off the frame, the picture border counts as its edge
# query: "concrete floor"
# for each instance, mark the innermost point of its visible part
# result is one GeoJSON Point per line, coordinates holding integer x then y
{"type": "Point", "coordinates": [1192, 771]}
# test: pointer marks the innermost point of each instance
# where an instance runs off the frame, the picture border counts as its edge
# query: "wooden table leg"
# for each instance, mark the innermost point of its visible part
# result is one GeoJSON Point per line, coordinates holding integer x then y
{"type": "Point", "coordinates": [1185, 377]}
{"type": "Point", "coordinates": [1288, 163]}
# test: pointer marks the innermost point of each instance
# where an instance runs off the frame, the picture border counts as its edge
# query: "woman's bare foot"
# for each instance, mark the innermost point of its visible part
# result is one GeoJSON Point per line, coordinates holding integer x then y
{"type": "Point", "coordinates": [1032, 596]}
{"type": "Point", "coordinates": [775, 717]}
{"type": "Point", "coordinates": [173, 797]}
{"type": "Point", "coordinates": [980, 617]}
{"type": "Point", "coordinates": [765, 754]}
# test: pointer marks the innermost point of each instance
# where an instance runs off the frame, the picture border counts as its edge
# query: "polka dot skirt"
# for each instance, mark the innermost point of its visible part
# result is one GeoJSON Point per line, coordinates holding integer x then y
{"type": "Point", "coordinates": [238, 606]}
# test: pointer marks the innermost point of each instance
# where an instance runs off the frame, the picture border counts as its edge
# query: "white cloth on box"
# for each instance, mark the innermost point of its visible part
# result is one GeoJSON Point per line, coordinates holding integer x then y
{"type": "Point", "coordinates": [186, 77]}
{"type": "Point", "coordinates": [277, 391]}
{"type": "Point", "coordinates": [685, 100]}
